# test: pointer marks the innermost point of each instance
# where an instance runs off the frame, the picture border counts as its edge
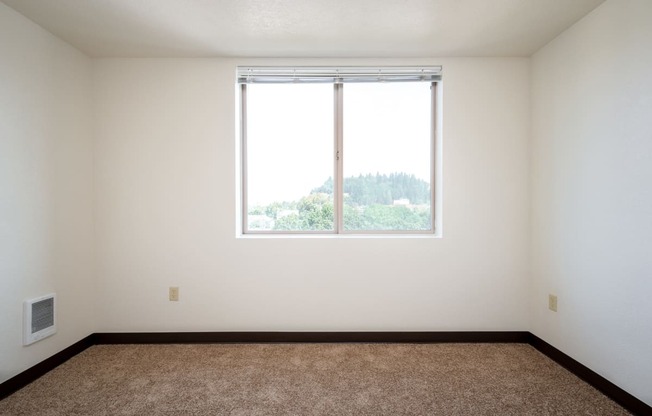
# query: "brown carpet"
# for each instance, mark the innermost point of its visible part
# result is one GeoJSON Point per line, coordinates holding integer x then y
{"type": "Point", "coordinates": [310, 379]}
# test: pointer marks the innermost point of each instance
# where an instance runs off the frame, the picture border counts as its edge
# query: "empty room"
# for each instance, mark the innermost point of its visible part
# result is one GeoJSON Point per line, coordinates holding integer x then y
{"type": "Point", "coordinates": [326, 207]}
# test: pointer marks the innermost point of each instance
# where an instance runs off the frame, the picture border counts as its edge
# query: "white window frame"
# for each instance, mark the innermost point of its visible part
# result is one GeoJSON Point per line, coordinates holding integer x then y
{"type": "Point", "coordinates": [338, 76]}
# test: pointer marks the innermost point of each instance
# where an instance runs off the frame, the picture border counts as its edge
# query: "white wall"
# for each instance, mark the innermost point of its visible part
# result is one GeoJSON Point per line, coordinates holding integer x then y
{"type": "Point", "coordinates": [46, 213]}
{"type": "Point", "coordinates": [592, 193]}
{"type": "Point", "coordinates": [165, 197]}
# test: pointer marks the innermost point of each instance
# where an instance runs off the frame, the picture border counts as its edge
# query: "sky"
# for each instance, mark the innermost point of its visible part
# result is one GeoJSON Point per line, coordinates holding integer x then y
{"type": "Point", "coordinates": [290, 135]}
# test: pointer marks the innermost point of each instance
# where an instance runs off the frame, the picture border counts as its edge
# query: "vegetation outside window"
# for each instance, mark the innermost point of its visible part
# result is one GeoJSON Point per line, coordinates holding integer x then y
{"type": "Point", "coordinates": [338, 150]}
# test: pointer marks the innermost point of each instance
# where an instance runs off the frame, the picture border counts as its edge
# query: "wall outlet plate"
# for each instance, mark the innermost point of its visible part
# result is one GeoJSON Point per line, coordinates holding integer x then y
{"type": "Point", "coordinates": [174, 293]}
{"type": "Point", "coordinates": [552, 302]}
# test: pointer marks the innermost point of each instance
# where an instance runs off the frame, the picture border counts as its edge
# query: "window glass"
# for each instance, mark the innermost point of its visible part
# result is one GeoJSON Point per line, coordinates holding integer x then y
{"type": "Point", "coordinates": [387, 156]}
{"type": "Point", "coordinates": [289, 153]}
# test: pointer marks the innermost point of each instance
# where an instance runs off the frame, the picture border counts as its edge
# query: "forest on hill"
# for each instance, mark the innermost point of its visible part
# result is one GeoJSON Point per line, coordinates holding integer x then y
{"type": "Point", "coordinates": [381, 189]}
{"type": "Point", "coordinates": [398, 201]}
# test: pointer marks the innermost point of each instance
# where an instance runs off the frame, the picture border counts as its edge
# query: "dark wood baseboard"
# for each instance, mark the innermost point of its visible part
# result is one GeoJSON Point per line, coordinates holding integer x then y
{"type": "Point", "coordinates": [21, 380]}
{"type": "Point", "coordinates": [309, 337]}
{"type": "Point", "coordinates": [609, 389]}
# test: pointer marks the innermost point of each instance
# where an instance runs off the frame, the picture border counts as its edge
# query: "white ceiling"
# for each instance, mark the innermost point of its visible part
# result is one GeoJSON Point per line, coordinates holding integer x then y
{"type": "Point", "coordinates": [305, 28]}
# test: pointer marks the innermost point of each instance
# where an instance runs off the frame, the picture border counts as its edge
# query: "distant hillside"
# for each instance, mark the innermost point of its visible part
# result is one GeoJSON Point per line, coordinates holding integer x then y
{"type": "Point", "coordinates": [381, 189]}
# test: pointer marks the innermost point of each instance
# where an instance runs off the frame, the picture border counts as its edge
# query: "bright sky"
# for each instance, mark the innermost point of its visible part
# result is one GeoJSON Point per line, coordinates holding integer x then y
{"type": "Point", "coordinates": [290, 135]}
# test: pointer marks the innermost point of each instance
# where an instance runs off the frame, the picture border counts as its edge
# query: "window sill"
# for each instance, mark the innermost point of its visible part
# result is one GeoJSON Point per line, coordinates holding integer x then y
{"type": "Point", "coordinates": [264, 236]}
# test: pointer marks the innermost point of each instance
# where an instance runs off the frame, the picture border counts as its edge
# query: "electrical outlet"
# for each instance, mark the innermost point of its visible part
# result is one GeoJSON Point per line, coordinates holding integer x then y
{"type": "Point", "coordinates": [174, 293]}
{"type": "Point", "coordinates": [552, 302]}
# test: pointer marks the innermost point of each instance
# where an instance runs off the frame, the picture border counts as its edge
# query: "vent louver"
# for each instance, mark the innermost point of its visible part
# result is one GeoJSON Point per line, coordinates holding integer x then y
{"type": "Point", "coordinates": [39, 318]}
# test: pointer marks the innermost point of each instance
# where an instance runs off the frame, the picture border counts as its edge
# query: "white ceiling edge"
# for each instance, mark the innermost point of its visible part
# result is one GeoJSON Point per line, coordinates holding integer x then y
{"type": "Point", "coordinates": [305, 29]}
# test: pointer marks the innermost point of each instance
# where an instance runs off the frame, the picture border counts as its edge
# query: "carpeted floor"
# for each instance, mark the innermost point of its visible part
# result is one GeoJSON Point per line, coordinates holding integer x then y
{"type": "Point", "coordinates": [310, 379]}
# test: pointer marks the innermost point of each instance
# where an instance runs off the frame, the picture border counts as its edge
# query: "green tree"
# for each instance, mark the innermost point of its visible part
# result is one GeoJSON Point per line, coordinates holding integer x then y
{"type": "Point", "coordinates": [314, 213]}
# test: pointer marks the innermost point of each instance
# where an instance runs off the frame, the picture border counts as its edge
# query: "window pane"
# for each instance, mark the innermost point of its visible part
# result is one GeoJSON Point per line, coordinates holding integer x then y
{"type": "Point", "coordinates": [387, 155]}
{"type": "Point", "coordinates": [290, 157]}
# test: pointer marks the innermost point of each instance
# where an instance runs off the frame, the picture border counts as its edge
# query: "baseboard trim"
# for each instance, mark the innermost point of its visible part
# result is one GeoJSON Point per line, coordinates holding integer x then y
{"type": "Point", "coordinates": [21, 380]}
{"type": "Point", "coordinates": [620, 396]}
{"type": "Point", "coordinates": [609, 389]}
{"type": "Point", "coordinates": [309, 337]}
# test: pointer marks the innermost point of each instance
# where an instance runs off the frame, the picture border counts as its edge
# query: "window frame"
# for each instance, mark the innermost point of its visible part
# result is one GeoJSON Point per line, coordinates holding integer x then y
{"type": "Point", "coordinates": [338, 155]}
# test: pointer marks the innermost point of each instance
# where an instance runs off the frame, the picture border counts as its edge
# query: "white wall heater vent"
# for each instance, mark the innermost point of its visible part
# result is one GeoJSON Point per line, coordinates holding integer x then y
{"type": "Point", "coordinates": [39, 318]}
